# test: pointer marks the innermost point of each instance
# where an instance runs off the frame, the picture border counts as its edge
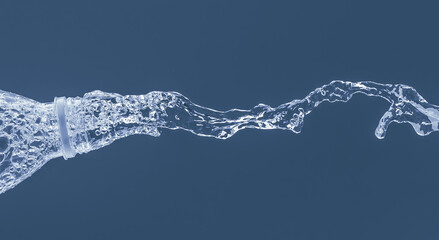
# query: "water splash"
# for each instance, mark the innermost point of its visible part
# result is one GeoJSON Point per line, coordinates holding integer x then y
{"type": "Point", "coordinates": [32, 133]}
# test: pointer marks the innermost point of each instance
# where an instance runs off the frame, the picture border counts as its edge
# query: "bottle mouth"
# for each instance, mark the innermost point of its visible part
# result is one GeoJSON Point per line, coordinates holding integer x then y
{"type": "Point", "coordinates": [66, 147]}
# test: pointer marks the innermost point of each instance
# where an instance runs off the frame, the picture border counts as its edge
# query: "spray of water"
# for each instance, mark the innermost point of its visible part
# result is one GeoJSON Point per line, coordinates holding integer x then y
{"type": "Point", "coordinates": [32, 133]}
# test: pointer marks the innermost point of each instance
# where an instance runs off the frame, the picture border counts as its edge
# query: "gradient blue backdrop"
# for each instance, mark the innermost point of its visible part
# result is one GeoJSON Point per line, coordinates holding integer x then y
{"type": "Point", "coordinates": [335, 180]}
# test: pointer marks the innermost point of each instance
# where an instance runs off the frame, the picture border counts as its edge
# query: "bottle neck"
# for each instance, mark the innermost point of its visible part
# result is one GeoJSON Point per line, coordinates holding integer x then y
{"type": "Point", "coordinates": [60, 111]}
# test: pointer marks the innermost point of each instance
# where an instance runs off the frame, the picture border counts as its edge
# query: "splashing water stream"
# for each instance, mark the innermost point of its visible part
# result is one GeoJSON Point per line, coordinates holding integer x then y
{"type": "Point", "coordinates": [32, 133]}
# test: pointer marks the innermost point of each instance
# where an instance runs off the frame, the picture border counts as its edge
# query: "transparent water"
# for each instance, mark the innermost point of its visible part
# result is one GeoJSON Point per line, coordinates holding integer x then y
{"type": "Point", "coordinates": [32, 133]}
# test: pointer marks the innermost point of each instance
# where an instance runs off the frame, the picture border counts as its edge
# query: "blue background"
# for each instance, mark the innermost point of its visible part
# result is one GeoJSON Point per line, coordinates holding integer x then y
{"type": "Point", "coordinates": [335, 180]}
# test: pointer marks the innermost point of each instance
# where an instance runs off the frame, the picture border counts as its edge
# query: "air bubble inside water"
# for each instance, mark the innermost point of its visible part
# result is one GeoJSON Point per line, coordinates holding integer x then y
{"type": "Point", "coordinates": [4, 144]}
